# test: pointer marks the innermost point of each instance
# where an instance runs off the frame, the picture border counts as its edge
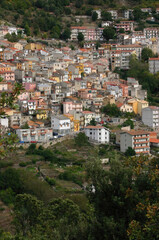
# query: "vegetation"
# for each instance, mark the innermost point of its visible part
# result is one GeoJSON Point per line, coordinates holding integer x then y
{"type": "Point", "coordinates": [128, 122]}
{"type": "Point", "coordinates": [146, 54]}
{"type": "Point", "coordinates": [81, 140]}
{"type": "Point", "coordinates": [130, 152]}
{"type": "Point", "coordinates": [150, 82]}
{"type": "Point", "coordinates": [111, 110]}
{"type": "Point", "coordinates": [109, 33]}
{"type": "Point", "coordinates": [80, 37]}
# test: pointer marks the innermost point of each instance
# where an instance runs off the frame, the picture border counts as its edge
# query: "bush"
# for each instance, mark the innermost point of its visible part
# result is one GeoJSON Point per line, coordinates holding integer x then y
{"type": "Point", "coordinates": [4, 164]}
{"type": "Point", "coordinates": [11, 179]}
{"type": "Point", "coordinates": [7, 196]}
{"type": "Point", "coordinates": [23, 164]}
{"type": "Point", "coordinates": [69, 176]}
{"type": "Point", "coordinates": [130, 152]}
{"type": "Point", "coordinates": [50, 181]}
{"type": "Point", "coordinates": [81, 140]}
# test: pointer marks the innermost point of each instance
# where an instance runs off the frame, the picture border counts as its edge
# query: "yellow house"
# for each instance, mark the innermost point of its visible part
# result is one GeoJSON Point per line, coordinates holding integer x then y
{"type": "Point", "coordinates": [70, 116]}
{"type": "Point", "coordinates": [141, 104]}
{"type": "Point", "coordinates": [80, 67]}
{"type": "Point", "coordinates": [134, 104]}
{"type": "Point", "coordinates": [41, 114]}
{"type": "Point", "coordinates": [34, 46]}
{"type": "Point", "coordinates": [76, 123]}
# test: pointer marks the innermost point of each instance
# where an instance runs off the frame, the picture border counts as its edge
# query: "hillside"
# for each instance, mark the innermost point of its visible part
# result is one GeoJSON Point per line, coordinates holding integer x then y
{"type": "Point", "coordinates": [46, 18]}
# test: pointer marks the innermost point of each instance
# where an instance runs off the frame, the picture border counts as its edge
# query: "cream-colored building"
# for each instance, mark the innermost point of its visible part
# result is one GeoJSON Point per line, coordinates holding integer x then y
{"type": "Point", "coordinates": [141, 105]}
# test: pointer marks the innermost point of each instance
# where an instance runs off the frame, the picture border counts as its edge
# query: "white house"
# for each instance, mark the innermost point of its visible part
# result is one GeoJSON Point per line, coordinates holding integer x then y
{"type": "Point", "coordinates": [4, 121]}
{"type": "Point", "coordinates": [31, 106]}
{"type": "Point", "coordinates": [98, 134]}
{"type": "Point", "coordinates": [150, 116]}
{"type": "Point", "coordinates": [138, 140]}
{"type": "Point", "coordinates": [35, 135]}
{"type": "Point", "coordinates": [61, 124]}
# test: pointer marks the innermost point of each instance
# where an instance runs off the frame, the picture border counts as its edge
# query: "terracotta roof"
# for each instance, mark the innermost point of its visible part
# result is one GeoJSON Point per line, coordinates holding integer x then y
{"type": "Point", "coordinates": [139, 132]}
{"type": "Point", "coordinates": [154, 140]}
{"type": "Point", "coordinates": [153, 59]}
{"type": "Point", "coordinates": [95, 127]}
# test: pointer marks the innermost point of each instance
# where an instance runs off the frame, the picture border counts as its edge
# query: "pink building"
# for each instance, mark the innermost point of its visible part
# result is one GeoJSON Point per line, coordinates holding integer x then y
{"type": "Point", "coordinates": [126, 25]}
{"type": "Point", "coordinates": [69, 106]}
{"type": "Point", "coordinates": [8, 75]}
{"type": "Point", "coordinates": [85, 93]}
{"type": "Point", "coordinates": [23, 96]}
{"type": "Point", "coordinates": [29, 86]}
{"type": "Point", "coordinates": [125, 90]}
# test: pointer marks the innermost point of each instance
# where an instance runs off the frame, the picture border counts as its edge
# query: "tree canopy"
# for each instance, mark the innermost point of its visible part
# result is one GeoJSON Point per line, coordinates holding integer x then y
{"type": "Point", "coordinates": [109, 33]}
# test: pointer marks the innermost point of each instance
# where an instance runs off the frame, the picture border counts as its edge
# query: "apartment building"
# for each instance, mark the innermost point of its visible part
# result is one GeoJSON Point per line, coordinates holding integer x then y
{"type": "Point", "coordinates": [150, 116]}
{"type": "Point", "coordinates": [90, 34]}
{"type": "Point", "coordinates": [126, 25]}
{"type": "Point", "coordinates": [35, 135]}
{"type": "Point", "coordinates": [69, 106]}
{"type": "Point", "coordinates": [133, 47]}
{"type": "Point", "coordinates": [114, 13]}
{"type": "Point", "coordinates": [151, 32]}
{"type": "Point", "coordinates": [61, 124]}
{"type": "Point", "coordinates": [154, 65]}
{"type": "Point", "coordinates": [98, 134]}
{"type": "Point", "coordinates": [138, 140]}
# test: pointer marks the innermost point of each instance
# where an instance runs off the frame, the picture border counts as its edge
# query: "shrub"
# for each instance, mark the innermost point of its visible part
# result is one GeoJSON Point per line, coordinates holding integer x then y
{"type": "Point", "coordinates": [23, 164]}
{"type": "Point", "coordinates": [50, 181]}
{"type": "Point", "coordinates": [4, 164]}
{"type": "Point", "coordinates": [81, 140]}
{"type": "Point", "coordinates": [69, 176]}
{"type": "Point", "coordinates": [7, 196]}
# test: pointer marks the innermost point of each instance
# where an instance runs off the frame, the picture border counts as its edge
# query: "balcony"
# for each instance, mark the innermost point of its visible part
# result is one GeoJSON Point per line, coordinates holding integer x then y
{"type": "Point", "coordinates": [141, 147]}
{"type": "Point", "coordinates": [24, 134]}
{"type": "Point", "coordinates": [33, 133]}
{"type": "Point", "coordinates": [141, 137]}
{"type": "Point", "coordinates": [141, 142]}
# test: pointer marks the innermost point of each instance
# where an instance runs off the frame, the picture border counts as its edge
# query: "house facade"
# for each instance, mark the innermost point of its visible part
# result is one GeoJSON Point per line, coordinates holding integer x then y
{"type": "Point", "coordinates": [137, 140]}
{"type": "Point", "coordinates": [97, 134]}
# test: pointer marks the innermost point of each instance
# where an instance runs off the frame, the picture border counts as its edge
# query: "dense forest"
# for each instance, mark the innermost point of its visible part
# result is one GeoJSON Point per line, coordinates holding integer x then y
{"type": "Point", "coordinates": [45, 18]}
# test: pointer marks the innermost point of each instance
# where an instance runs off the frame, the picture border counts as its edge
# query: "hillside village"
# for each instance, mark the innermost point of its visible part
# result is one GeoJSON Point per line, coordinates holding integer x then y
{"type": "Point", "coordinates": [65, 90]}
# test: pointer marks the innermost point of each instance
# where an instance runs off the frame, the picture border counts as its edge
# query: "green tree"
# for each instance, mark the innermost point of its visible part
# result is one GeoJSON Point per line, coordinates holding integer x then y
{"type": "Point", "coordinates": [80, 37]}
{"type": "Point", "coordinates": [109, 33]}
{"type": "Point", "coordinates": [138, 14]}
{"type": "Point", "coordinates": [27, 30]}
{"type": "Point", "coordinates": [128, 122]}
{"type": "Point", "coordinates": [66, 34]}
{"type": "Point", "coordinates": [81, 139]}
{"type": "Point", "coordinates": [113, 210]}
{"type": "Point", "coordinates": [93, 122]}
{"type": "Point", "coordinates": [94, 16]}
{"type": "Point", "coordinates": [106, 16]}
{"type": "Point", "coordinates": [121, 30]}
{"type": "Point", "coordinates": [111, 110]}
{"type": "Point", "coordinates": [26, 211]}
{"type": "Point", "coordinates": [130, 152]}
{"type": "Point", "coordinates": [146, 54]}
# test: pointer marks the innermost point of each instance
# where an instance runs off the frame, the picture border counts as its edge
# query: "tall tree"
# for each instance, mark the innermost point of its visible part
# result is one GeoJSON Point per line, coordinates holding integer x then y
{"type": "Point", "coordinates": [109, 33]}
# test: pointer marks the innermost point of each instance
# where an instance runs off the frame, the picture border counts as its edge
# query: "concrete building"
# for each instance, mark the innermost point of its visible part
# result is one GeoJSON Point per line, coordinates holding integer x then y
{"type": "Point", "coordinates": [150, 116]}
{"type": "Point", "coordinates": [61, 124]}
{"type": "Point", "coordinates": [138, 140]}
{"type": "Point", "coordinates": [35, 135]}
{"type": "Point", "coordinates": [151, 32]}
{"type": "Point", "coordinates": [98, 134]}
{"type": "Point", "coordinates": [154, 65]}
